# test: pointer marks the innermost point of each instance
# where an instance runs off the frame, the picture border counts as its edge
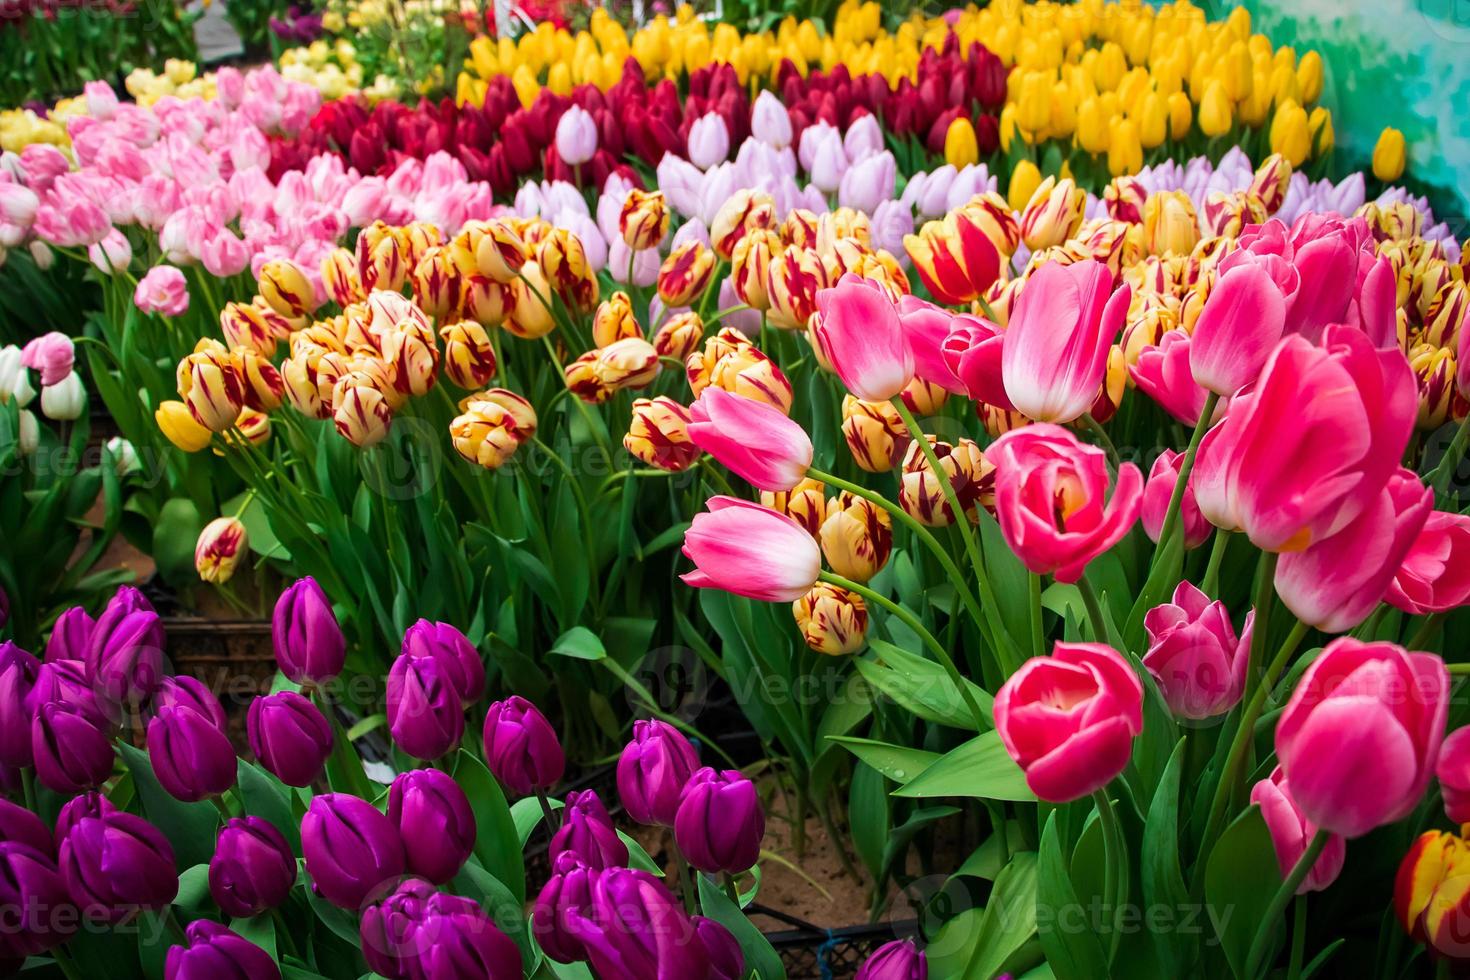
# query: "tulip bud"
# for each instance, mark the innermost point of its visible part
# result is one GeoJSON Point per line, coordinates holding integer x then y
{"type": "Point", "coordinates": [521, 749]}
{"type": "Point", "coordinates": [34, 895]}
{"type": "Point", "coordinates": [340, 278]}
{"type": "Point", "coordinates": [309, 645]}
{"type": "Point", "coordinates": [961, 148]}
{"type": "Point", "coordinates": [644, 219]}
{"type": "Point", "coordinates": [972, 475]}
{"type": "Point", "coordinates": [1388, 155]}
{"type": "Point", "coordinates": [614, 321]}
{"type": "Point", "coordinates": [469, 356]}
{"type": "Point", "coordinates": [117, 863]}
{"type": "Point", "coordinates": [652, 771]}
{"type": "Point", "coordinates": [252, 869]}
{"type": "Point", "coordinates": [463, 668]}
{"type": "Point", "coordinates": [719, 825]}
{"type": "Point", "coordinates": [659, 435]}
{"type": "Point", "coordinates": [731, 363]}
{"type": "Point", "coordinates": [212, 950]}
{"type": "Point", "coordinates": [425, 717]}
{"type": "Point", "coordinates": [896, 960]}
{"type": "Point", "coordinates": [350, 848]}
{"type": "Point", "coordinates": [18, 676]}
{"type": "Point", "coordinates": [856, 537]}
{"type": "Point", "coordinates": [179, 427]}
{"type": "Point", "coordinates": [576, 136]}
{"type": "Point", "coordinates": [793, 280]}
{"type": "Point", "coordinates": [567, 894]}
{"type": "Point", "coordinates": [875, 434]}
{"type": "Point", "coordinates": [686, 273]}
{"type": "Point", "coordinates": [1194, 655]}
{"type": "Point", "coordinates": [220, 547]}
{"type": "Point", "coordinates": [529, 317]}
{"type": "Point", "coordinates": [434, 818]}
{"type": "Point", "coordinates": [286, 289]}
{"type": "Point", "coordinates": [20, 826]}
{"type": "Point", "coordinates": [125, 655]}
{"type": "Point", "coordinates": [750, 265]}
{"type": "Point", "coordinates": [599, 374]}
{"type": "Point", "coordinates": [493, 424]}
{"type": "Point", "coordinates": [726, 961]}
{"type": "Point", "coordinates": [1053, 214]}
{"type": "Point", "coordinates": [1170, 225]}
{"type": "Point", "coordinates": [588, 832]}
{"type": "Point", "coordinates": [89, 804]}
{"type": "Point", "coordinates": [744, 212]}
{"type": "Point", "coordinates": [391, 932]}
{"type": "Point", "coordinates": [289, 736]}
{"type": "Point", "coordinates": [634, 926]}
{"type": "Point", "coordinates": [1434, 370]}
{"type": "Point", "coordinates": [191, 757]}
{"type": "Point", "coordinates": [1158, 493]}
{"type": "Point", "coordinates": [245, 325]}
{"type": "Point", "coordinates": [211, 389]}
{"type": "Point", "coordinates": [832, 620]}
{"type": "Point", "coordinates": [1291, 833]}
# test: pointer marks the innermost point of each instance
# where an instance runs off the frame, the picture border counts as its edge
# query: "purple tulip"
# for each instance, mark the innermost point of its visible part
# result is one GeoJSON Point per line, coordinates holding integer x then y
{"type": "Point", "coordinates": [652, 772]}
{"type": "Point", "coordinates": [212, 952]}
{"type": "Point", "coordinates": [434, 818]}
{"type": "Point", "coordinates": [72, 754]}
{"type": "Point", "coordinates": [18, 670]}
{"type": "Point", "coordinates": [191, 692]}
{"type": "Point", "coordinates": [71, 635]}
{"type": "Point", "coordinates": [521, 750]}
{"type": "Point", "coordinates": [390, 933]}
{"type": "Point", "coordinates": [425, 716]}
{"type": "Point", "coordinates": [588, 832]}
{"type": "Point", "coordinates": [863, 138]}
{"type": "Point", "coordinates": [720, 824]}
{"type": "Point", "coordinates": [726, 961]}
{"type": "Point", "coordinates": [252, 869]}
{"type": "Point", "coordinates": [34, 897]}
{"type": "Point", "coordinates": [868, 183]}
{"type": "Point", "coordinates": [89, 804]}
{"type": "Point", "coordinates": [116, 864]}
{"type": "Point", "coordinates": [567, 892]}
{"type": "Point", "coordinates": [462, 664]}
{"type": "Point", "coordinates": [898, 960]}
{"type": "Point", "coordinates": [21, 826]}
{"type": "Point", "coordinates": [67, 681]}
{"type": "Point", "coordinates": [289, 736]}
{"type": "Point", "coordinates": [192, 759]}
{"type": "Point", "coordinates": [309, 644]}
{"type": "Point", "coordinates": [769, 121]}
{"type": "Point", "coordinates": [709, 141]}
{"type": "Point", "coordinates": [464, 942]}
{"type": "Point", "coordinates": [576, 136]}
{"type": "Point", "coordinates": [125, 654]}
{"type": "Point", "coordinates": [350, 847]}
{"type": "Point", "coordinates": [635, 929]}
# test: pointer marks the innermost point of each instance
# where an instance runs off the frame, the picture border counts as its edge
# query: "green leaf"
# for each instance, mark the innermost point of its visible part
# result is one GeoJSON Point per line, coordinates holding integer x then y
{"type": "Point", "coordinates": [1071, 951]}
{"type": "Point", "coordinates": [898, 762]}
{"type": "Point", "coordinates": [1163, 881]}
{"type": "Point", "coordinates": [980, 768]}
{"type": "Point", "coordinates": [193, 888]}
{"type": "Point", "coordinates": [527, 816]}
{"type": "Point", "coordinates": [174, 538]}
{"type": "Point", "coordinates": [339, 922]}
{"type": "Point", "coordinates": [920, 685]}
{"type": "Point", "coordinates": [265, 796]}
{"type": "Point", "coordinates": [581, 643]}
{"type": "Point", "coordinates": [189, 827]}
{"type": "Point", "coordinates": [867, 813]}
{"type": "Point", "coordinates": [497, 842]}
{"type": "Point", "coordinates": [1010, 917]}
{"type": "Point", "coordinates": [260, 930]}
{"type": "Point", "coordinates": [760, 957]}
{"type": "Point", "coordinates": [638, 857]}
{"type": "Point", "coordinates": [1241, 878]}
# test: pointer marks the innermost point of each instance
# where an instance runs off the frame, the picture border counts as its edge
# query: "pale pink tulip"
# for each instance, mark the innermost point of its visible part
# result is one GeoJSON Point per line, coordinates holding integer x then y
{"type": "Point", "coordinates": [757, 442]}
{"type": "Point", "coordinates": [50, 355]}
{"type": "Point", "coordinates": [163, 290]}
{"type": "Point", "coordinates": [751, 551]}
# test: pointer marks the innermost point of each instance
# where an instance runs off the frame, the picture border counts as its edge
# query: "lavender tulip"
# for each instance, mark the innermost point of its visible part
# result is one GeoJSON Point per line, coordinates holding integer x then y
{"type": "Point", "coordinates": [709, 141]}
{"type": "Point", "coordinates": [252, 869]}
{"type": "Point", "coordinates": [769, 121]}
{"type": "Point", "coordinates": [868, 183]}
{"type": "Point", "coordinates": [576, 136]}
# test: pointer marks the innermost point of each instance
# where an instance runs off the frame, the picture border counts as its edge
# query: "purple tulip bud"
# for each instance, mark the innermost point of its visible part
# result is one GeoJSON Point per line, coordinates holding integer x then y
{"type": "Point", "coordinates": [351, 849]}
{"type": "Point", "coordinates": [635, 929]}
{"type": "Point", "coordinates": [72, 754]}
{"type": "Point", "coordinates": [576, 136]}
{"type": "Point", "coordinates": [434, 818]}
{"type": "Point", "coordinates": [462, 664]}
{"type": "Point", "coordinates": [37, 905]}
{"type": "Point", "coordinates": [125, 654]}
{"type": "Point", "coordinates": [192, 759]}
{"type": "Point", "coordinates": [588, 832]}
{"type": "Point", "coordinates": [425, 716]}
{"type": "Point", "coordinates": [520, 747]}
{"type": "Point", "coordinates": [726, 961]}
{"type": "Point", "coordinates": [567, 892]}
{"type": "Point", "coordinates": [309, 643]}
{"type": "Point", "coordinates": [116, 864]}
{"type": "Point", "coordinates": [289, 736]}
{"type": "Point", "coordinates": [191, 692]}
{"type": "Point", "coordinates": [67, 681]}
{"type": "Point", "coordinates": [652, 772]}
{"type": "Point", "coordinates": [212, 952]}
{"type": "Point", "coordinates": [89, 804]}
{"type": "Point", "coordinates": [464, 942]}
{"type": "Point", "coordinates": [709, 141]}
{"type": "Point", "coordinates": [389, 932]}
{"type": "Point", "coordinates": [769, 121]}
{"type": "Point", "coordinates": [720, 824]}
{"type": "Point", "coordinates": [21, 826]}
{"type": "Point", "coordinates": [252, 869]}
{"type": "Point", "coordinates": [18, 670]}
{"type": "Point", "coordinates": [898, 960]}
{"type": "Point", "coordinates": [71, 635]}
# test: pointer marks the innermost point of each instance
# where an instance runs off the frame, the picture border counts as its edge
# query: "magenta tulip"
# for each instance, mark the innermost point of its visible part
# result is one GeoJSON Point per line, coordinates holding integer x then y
{"type": "Point", "coordinates": [1453, 772]}
{"type": "Point", "coordinates": [1158, 492]}
{"type": "Point", "coordinates": [39, 913]}
{"type": "Point", "coordinates": [425, 716]}
{"type": "Point", "coordinates": [1162, 373]}
{"type": "Point", "coordinates": [117, 863]}
{"type": "Point", "coordinates": [1194, 654]}
{"type": "Point", "coordinates": [192, 758]}
{"type": "Point", "coordinates": [858, 331]}
{"type": "Point", "coordinates": [1238, 328]}
{"type": "Point", "coordinates": [18, 673]}
{"type": "Point", "coordinates": [434, 818]}
{"type": "Point", "coordinates": [1058, 338]}
{"type": "Point", "coordinates": [462, 664]}
{"type": "Point", "coordinates": [190, 692]}
{"type": "Point", "coordinates": [565, 894]}
{"type": "Point", "coordinates": [1291, 833]}
{"type": "Point", "coordinates": [757, 442]}
{"type": "Point", "coordinates": [652, 771]}
{"type": "Point", "coordinates": [252, 869]}
{"type": "Point", "coordinates": [20, 826]}
{"type": "Point", "coordinates": [1049, 490]}
{"type": "Point", "coordinates": [1360, 736]}
{"type": "Point", "coordinates": [350, 849]}
{"type": "Point", "coordinates": [521, 748]}
{"type": "Point", "coordinates": [1069, 719]}
{"type": "Point", "coordinates": [720, 823]}
{"type": "Point", "coordinates": [212, 951]}
{"type": "Point", "coordinates": [70, 635]}
{"type": "Point", "coordinates": [588, 832]}
{"type": "Point", "coordinates": [900, 959]}
{"type": "Point", "coordinates": [926, 326]}
{"type": "Point", "coordinates": [752, 551]}
{"type": "Point", "coordinates": [973, 354]}
{"type": "Point", "coordinates": [289, 736]}
{"type": "Point", "coordinates": [1435, 575]}
{"type": "Point", "coordinates": [726, 961]}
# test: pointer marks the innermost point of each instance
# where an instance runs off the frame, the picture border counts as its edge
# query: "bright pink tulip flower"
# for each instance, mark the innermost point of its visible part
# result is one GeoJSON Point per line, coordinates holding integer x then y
{"type": "Point", "coordinates": [1435, 574]}
{"type": "Point", "coordinates": [751, 551]}
{"type": "Point", "coordinates": [1291, 833]}
{"type": "Point", "coordinates": [1239, 327]}
{"type": "Point", "coordinates": [859, 333]}
{"type": "Point", "coordinates": [1163, 374]}
{"type": "Point", "coordinates": [1453, 772]}
{"type": "Point", "coordinates": [1194, 654]}
{"type": "Point", "coordinates": [926, 326]}
{"type": "Point", "coordinates": [757, 442]}
{"type": "Point", "coordinates": [1058, 337]}
{"type": "Point", "coordinates": [1049, 490]}
{"type": "Point", "coordinates": [163, 290]}
{"type": "Point", "coordinates": [1360, 736]}
{"type": "Point", "coordinates": [1069, 719]}
{"type": "Point", "coordinates": [1159, 491]}
{"type": "Point", "coordinates": [1334, 584]}
{"type": "Point", "coordinates": [973, 354]}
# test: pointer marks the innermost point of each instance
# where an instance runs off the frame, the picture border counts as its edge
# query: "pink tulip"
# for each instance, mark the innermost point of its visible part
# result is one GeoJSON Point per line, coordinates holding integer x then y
{"type": "Point", "coordinates": [1376, 307]}
{"type": "Point", "coordinates": [576, 136]}
{"type": "Point", "coordinates": [51, 355]}
{"type": "Point", "coordinates": [1194, 654]}
{"type": "Point", "coordinates": [1310, 447]}
{"type": "Point", "coordinates": [709, 141]}
{"type": "Point", "coordinates": [111, 255]}
{"type": "Point", "coordinates": [1360, 736]}
{"type": "Point", "coordinates": [1069, 719]}
{"type": "Point", "coordinates": [1049, 490]}
{"type": "Point", "coordinates": [163, 290]}
{"type": "Point", "coordinates": [1291, 833]}
{"type": "Point", "coordinates": [1453, 773]}
{"type": "Point", "coordinates": [1327, 267]}
{"type": "Point", "coordinates": [1163, 374]}
{"type": "Point", "coordinates": [1435, 575]}
{"type": "Point", "coordinates": [1239, 327]}
{"type": "Point", "coordinates": [1058, 337]}
{"type": "Point", "coordinates": [757, 442]}
{"type": "Point", "coordinates": [751, 551]}
{"type": "Point", "coordinates": [1335, 583]}
{"type": "Point", "coordinates": [1159, 491]}
{"type": "Point", "coordinates": [973, 354]}
{"type": "Point", "coordinates": [224, 254]}
{"type": "Point", "coordinates": [926, 325]}
{"type": "Point", "coordinates": [858, 331]}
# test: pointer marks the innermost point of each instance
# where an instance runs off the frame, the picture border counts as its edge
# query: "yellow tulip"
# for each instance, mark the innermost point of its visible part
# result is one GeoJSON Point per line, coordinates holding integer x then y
{"type": "Point", "coordinates": [1024, 181]}
{"type": "Point", "coordinates": [1236, 72]}
{"type": "Point", "coordinates": [1125, 152]}
{"type": "Point", "coordinates": [178, 425]}
{"type": "Point", "coordinates": [960, 145]}
{"type": "Point", "coordinates": [1214, 110]}
{"type": "Point", "coordinates": [1388, 155]}
{"type": "Point", "coordinates": [1180, 115]}
{"type": "Point", "coordinates": [1309, 77]}
{"type": "Point", "coordinates": [1290, 134]}
{"type": "Point", "coordinates": [1092, 126]}
{"type": "Point", "coordinates": [1033, 105]}
{"type": "Point", "coordinates": [1319, 124]}
{"type": "Point", "coordinates": [1153, 120]}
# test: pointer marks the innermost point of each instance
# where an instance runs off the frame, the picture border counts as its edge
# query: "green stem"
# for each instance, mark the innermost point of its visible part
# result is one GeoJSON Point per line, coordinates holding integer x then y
{"type": "Point", "coordinates": [1176, 500]}
{"type": "Point", "coordinates": [1038, 634]}
{"type": "Point", "coordinates": [1095, 427]}
{"type": "Point", "coordinates": [1298, 937]}
{"type": "Point", "coordinates": [283, 933]}
{"type": "Point", "coordinates": [1256, 959]}
{"type": "Point", "coordinates": [1440, 477]}
{"type": "Point", "coordinates": [592, 426]}
{"type": "Point", "coordinates": [912, 622]}
{"type": "Point", "coordinates": [731, 889]}
{"type": "Point", "coordinates": [547, 811]}
{"type": "Point", "coordinates": [28, 781]}
{"type": "Point", "coordinates": [1115, 867]}
{"type": "Point", "coordinates": [1421, 637]}
{"type": "Point", "coordinates": [1211, 586]}
{"type": "Point", "coordinates": [1094, 610]}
